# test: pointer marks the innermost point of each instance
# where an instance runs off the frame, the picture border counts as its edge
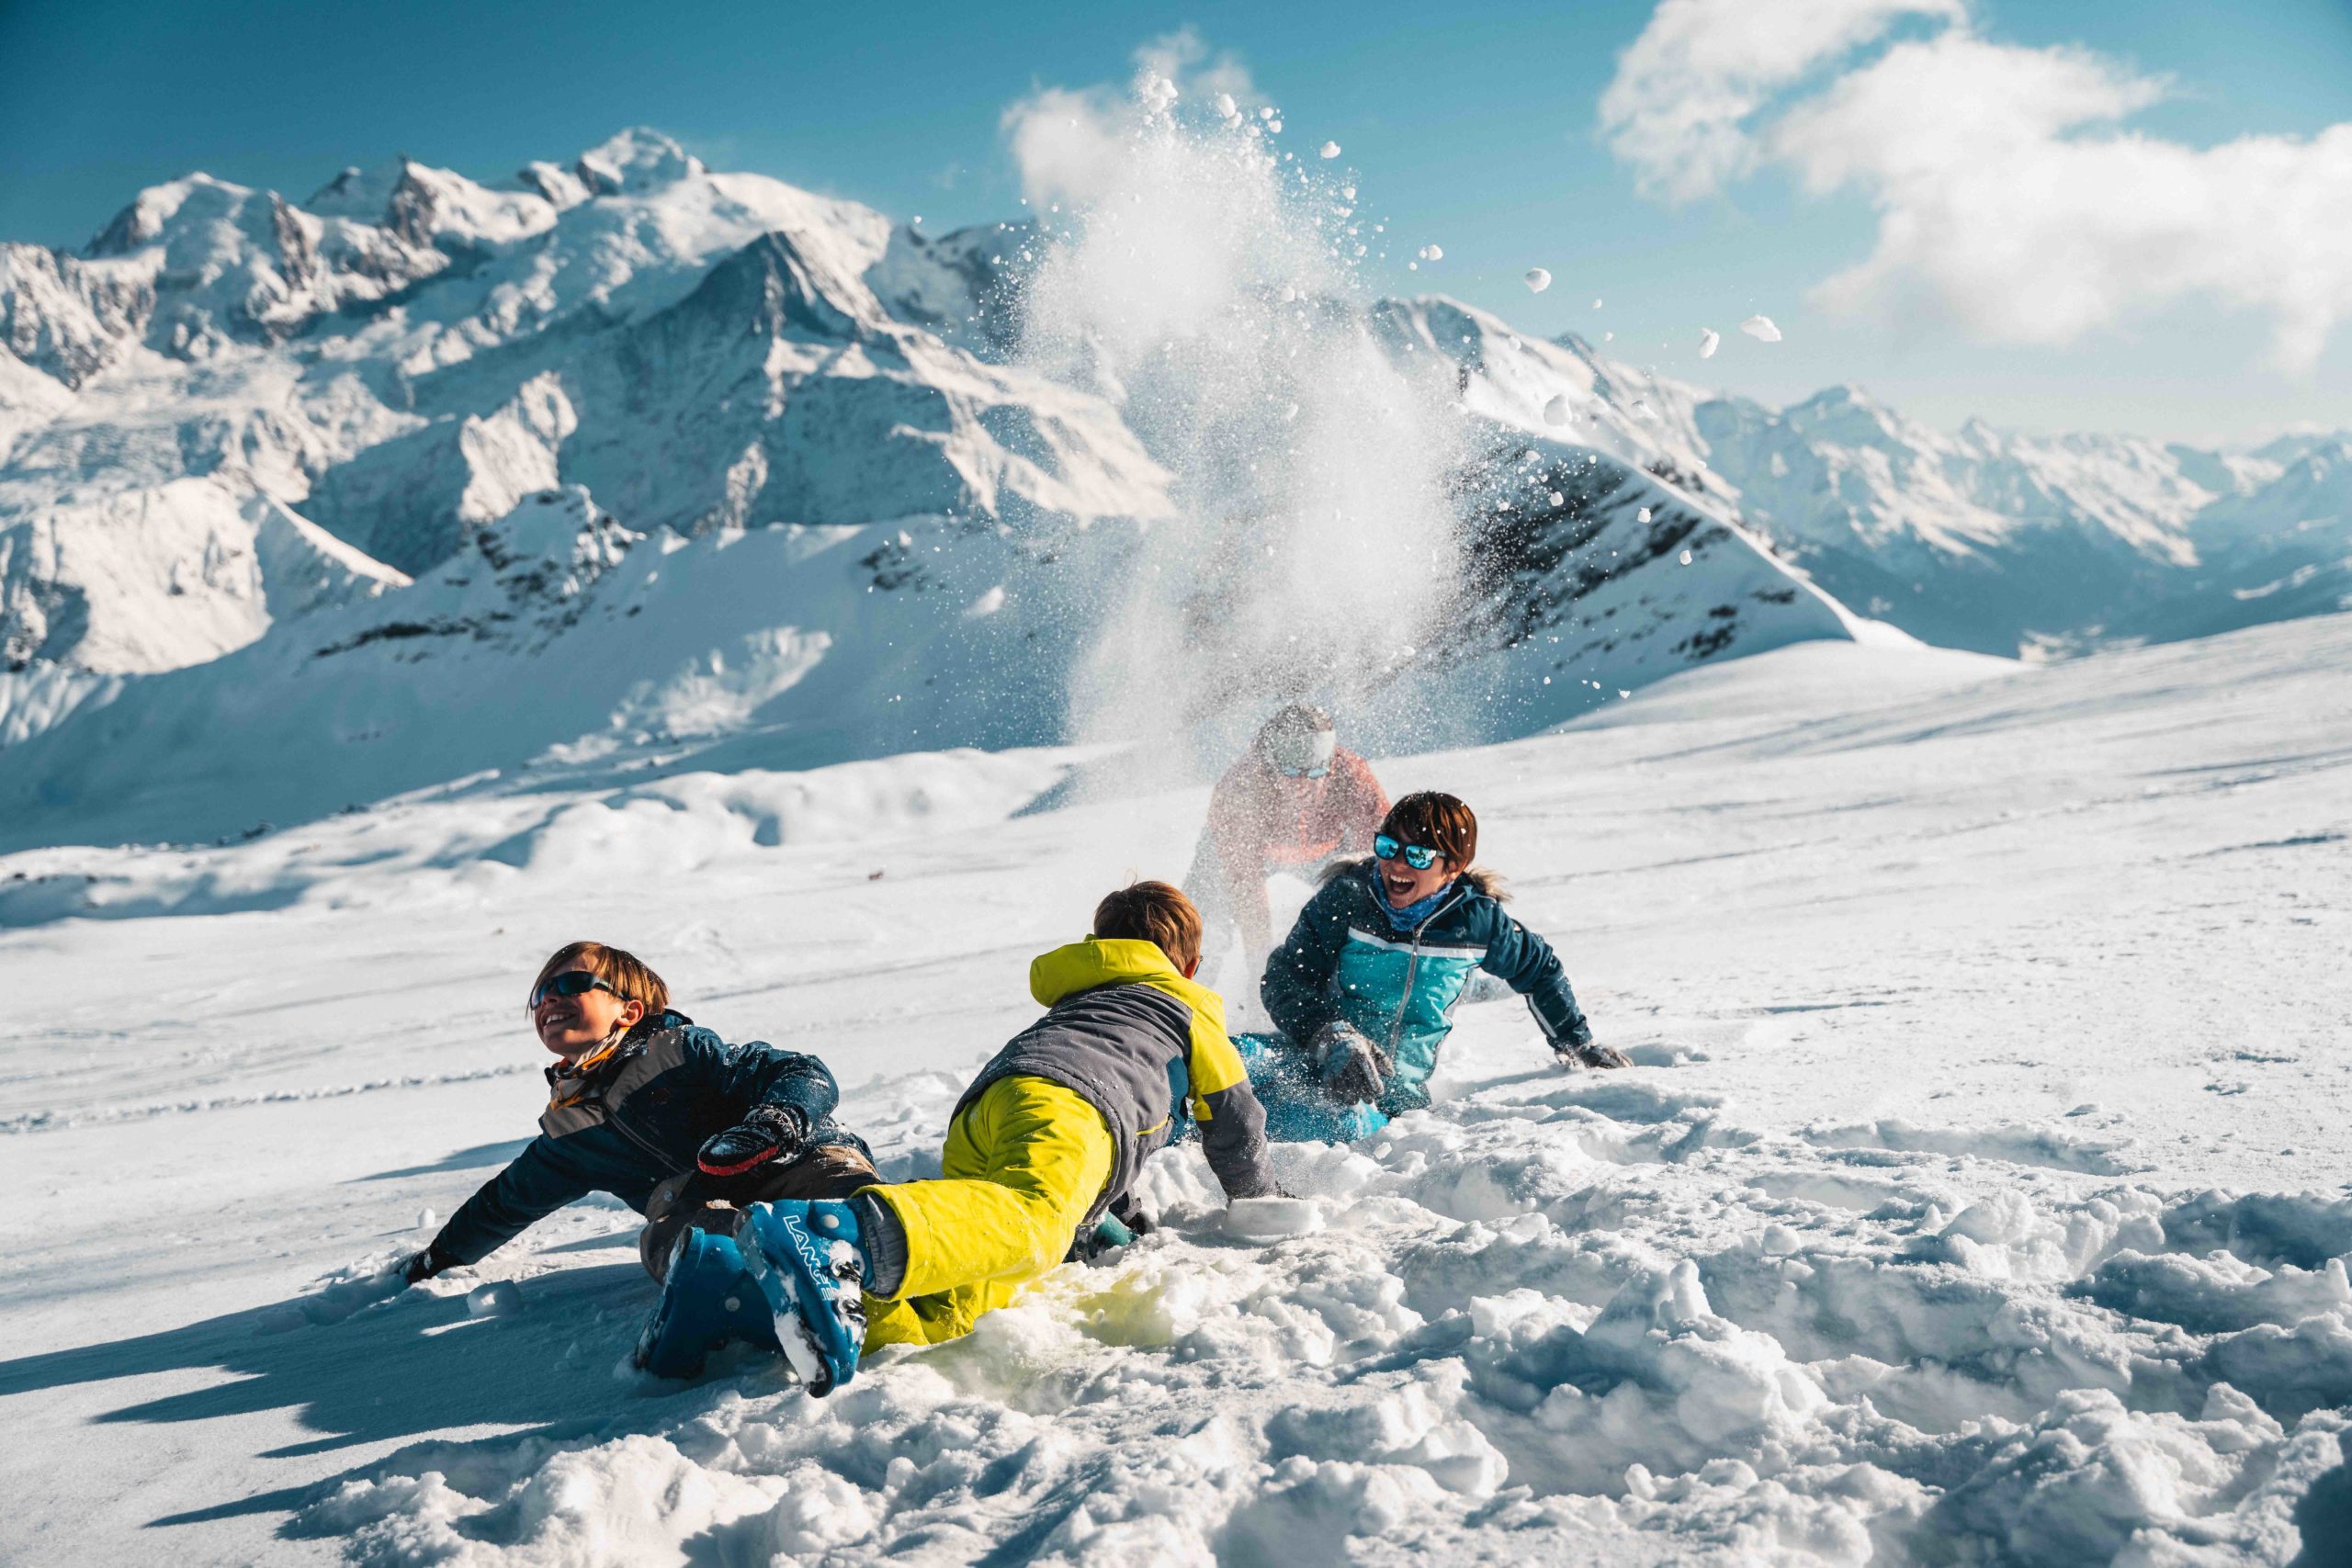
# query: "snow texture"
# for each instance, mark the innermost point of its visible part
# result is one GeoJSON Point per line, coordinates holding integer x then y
{"type": "Point", "coordinates": [1921, 1230]}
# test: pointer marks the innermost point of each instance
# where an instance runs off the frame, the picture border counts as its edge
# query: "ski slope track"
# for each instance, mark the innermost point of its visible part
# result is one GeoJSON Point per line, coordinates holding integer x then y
{"type": "Point", "coordinates": [1978, 1195]}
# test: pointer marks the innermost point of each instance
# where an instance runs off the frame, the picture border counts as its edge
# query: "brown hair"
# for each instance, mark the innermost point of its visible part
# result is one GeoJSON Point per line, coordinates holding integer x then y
{"type": "Point", "coordinates": [1440, 822]}
{"type": "Point", "coordinates": [1153, 911]}
{"type": "Point", "coordinates": [624, 972]}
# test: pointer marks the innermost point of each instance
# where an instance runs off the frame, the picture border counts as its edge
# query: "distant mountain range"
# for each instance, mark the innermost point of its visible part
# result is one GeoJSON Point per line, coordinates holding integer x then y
{"type": "Point", "coordinates": [629, 464]}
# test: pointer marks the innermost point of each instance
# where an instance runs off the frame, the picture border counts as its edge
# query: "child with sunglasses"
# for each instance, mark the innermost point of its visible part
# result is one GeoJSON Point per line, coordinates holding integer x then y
{"type": "Point", "coordinates": [1298, 801]}
{"type": "Point", "coordinates": [1365, 986]}
{"type": "Point", "coordinates": [661, 1113]}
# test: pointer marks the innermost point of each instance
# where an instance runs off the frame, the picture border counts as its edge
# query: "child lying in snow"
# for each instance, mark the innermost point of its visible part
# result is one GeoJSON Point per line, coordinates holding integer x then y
{"type": "Point", "coordinates": [662, 1114]}
{"type": "Point", "coordinates": [1044, 1141]}
{"type": "Point", "coordinates": [1364, 987]}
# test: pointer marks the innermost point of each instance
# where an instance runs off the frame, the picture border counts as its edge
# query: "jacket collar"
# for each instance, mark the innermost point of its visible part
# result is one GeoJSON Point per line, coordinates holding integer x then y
{"type": "Point", "coordinates": [1116, 961]}
{"type": "Point", "coordinates": [589, 1075]}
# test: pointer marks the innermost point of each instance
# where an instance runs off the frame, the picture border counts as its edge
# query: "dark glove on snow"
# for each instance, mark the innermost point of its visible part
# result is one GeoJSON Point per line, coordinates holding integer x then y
{"type": "Point", "coordinates": [1590, 1054]}
{"type": "Point", "coordinates": [769, 1132]}
{"type": "Point", "coordinates": [422, 1266]}
{"type": "Point", "coordinates": [1354, 1069]}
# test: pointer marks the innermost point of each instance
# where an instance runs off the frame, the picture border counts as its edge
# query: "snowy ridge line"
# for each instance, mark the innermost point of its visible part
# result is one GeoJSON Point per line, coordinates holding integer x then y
{"type": "Point", "coordinates": [52, 1121]}
{"type": "Point", "coordinates": [1583, 1313]}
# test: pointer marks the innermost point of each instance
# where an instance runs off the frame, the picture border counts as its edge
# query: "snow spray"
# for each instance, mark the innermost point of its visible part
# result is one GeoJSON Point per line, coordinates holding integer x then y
{"type": "Point", "coordinates": [1205, 279]}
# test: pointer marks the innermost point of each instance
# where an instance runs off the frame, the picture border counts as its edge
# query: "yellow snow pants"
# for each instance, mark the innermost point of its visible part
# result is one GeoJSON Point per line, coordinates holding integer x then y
{"type": "Point", "coordinates": [1024, 1163]}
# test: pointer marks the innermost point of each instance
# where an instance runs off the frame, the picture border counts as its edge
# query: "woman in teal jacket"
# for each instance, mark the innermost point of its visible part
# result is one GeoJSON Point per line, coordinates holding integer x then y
{"type": "Point", "coordinates": [1364, 988]}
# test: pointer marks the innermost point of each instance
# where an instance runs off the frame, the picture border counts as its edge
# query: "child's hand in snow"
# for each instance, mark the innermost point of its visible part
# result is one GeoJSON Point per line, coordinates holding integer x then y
{"type": "Point", "coordinates": [421, 1266]}
{"type": "Point", "coordinates": [1592, 1055]}
{"type": "Point", "coordinates": [1354, 1069]}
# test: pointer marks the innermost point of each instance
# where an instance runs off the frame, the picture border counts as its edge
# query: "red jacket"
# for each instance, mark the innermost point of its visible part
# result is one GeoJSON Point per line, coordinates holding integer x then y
{"type": "Point", "coordinates": [1261, 821]}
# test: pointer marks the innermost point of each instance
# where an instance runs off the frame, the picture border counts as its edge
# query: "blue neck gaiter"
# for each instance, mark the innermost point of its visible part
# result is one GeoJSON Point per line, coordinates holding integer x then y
{"type": "Point", "coordinates": [1412, 914]}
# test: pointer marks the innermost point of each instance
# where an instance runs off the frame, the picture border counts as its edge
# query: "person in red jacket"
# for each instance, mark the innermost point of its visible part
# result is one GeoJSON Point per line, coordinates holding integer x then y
{"type": "Point", "coordinates": [1296, 802]}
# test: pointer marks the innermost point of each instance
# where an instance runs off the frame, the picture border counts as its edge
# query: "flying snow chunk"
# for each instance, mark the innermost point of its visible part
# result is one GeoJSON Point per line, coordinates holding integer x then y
{"type": "Point", "coordinates": [1226, 108]}
{"type": "Point", "coordinates": [426, 1219]}
{"type": "Point", "coordinates": [1538, 281]}
{"type": "Point", "coordinates": [1331, 149]}
{"type": "Point", "coordinates": [1158, 93]}
{"type": "Point", "coordinates": [1686, 558]}
{"type": "Point", "coordinates": [988, 603]}
{"type": "Point", "coordinates": [1556, 411]}
{"type": "Point", "coordinates": [1709, 340]}
{"type": "Point", "coordinates": [1430, 253]}
{"type": "Point", "coordinates": [1643, 516]}
{"type": "Point", "coordinates": [1558, 499]}
{"type": "Point", "coordinates": [1762, 328]}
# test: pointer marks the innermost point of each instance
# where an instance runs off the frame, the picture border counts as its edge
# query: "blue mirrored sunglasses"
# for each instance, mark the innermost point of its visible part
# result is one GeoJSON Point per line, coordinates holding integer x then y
{"type": "Point", "coordinates": [570, 983]}
{"type": "Point", "coordinates": [1420, 857]}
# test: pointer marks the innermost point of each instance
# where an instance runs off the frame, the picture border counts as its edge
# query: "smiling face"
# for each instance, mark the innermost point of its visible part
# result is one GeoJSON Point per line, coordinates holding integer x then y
{"type": "Point", "coordinates": [1401, 885]}
{"type": "Point", "coordinates": [570, 1026]}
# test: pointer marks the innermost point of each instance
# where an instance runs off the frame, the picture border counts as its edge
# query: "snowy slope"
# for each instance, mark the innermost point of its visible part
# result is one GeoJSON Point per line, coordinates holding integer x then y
{"type": "Point", "coordinates": [1975, 1197]}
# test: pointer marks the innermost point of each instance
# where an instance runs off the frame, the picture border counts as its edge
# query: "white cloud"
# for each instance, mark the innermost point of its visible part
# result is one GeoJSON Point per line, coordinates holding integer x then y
{"type": "Point", "coordinates": [1701, 68]}
{"type": "Point", "coordinates": [2008, 199]}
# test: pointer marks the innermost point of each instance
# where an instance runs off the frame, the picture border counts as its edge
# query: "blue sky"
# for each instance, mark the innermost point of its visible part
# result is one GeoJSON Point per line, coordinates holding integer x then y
{"type": "Point", "coordinates": [1475, 126]}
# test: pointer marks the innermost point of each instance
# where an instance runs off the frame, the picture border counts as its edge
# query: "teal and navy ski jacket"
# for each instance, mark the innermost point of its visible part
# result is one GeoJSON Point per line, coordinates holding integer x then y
{"type": "Point", "coordinates": [1344, 960]}
{"type": "Point", "coordinates": [636, 1119]}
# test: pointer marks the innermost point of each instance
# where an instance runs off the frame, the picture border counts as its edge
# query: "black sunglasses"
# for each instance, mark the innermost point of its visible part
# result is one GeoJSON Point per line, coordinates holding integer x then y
{"type": "Point", "coordinates": [570, 983]}
{"type": "Point", "coordinates": [1420, 857]}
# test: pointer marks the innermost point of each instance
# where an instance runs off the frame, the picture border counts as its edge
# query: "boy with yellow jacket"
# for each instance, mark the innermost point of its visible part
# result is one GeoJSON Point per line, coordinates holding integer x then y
{"type": "Point", "coordinates": [1051, 1133]}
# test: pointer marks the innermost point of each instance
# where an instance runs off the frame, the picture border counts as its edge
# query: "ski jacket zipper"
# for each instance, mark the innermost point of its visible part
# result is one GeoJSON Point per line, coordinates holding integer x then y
{"type": "Point", "coordinates": [1412, 967]}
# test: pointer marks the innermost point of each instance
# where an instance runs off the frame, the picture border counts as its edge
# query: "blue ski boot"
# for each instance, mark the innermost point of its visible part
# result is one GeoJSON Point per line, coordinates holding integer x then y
{"type": "Point", "coordinates": [804, 1253]}
{"type": "Point", "coordinates": [708, 1299]}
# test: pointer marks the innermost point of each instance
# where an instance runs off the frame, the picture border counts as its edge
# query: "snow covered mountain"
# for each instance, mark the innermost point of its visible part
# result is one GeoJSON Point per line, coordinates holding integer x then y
{"type": "Point", "coordinates": [1992, 540]}
{"type": "Point", "coordinates": [675, 457]}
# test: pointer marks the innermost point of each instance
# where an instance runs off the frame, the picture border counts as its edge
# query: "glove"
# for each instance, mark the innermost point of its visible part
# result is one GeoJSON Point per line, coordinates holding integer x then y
{"type": "Point", "coordinates": [1590, 1054]}
{"type": "Point", "coordinates": [422, 1266]}
{"type": "Point", "coordinates": [769, 1131]}
{"type": "Point", "coordinates": [1353, 1068]}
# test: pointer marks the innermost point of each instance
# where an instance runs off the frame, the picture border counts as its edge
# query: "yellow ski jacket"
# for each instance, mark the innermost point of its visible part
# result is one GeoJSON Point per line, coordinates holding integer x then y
{"type": "Point", "coordinates": [1140, 1043]}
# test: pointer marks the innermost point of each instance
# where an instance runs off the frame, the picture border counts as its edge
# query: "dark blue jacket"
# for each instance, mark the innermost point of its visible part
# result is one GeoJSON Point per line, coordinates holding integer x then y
{"type": "Point", "coordinates": [636, 1120]}
{"type": "Point", "coordinates": [1344, 961]}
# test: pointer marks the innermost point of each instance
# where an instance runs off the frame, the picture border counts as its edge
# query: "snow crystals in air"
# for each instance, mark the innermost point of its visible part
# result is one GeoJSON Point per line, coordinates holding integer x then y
{"type": "Point", "coordinates": [1556, 411]}
{"type": "Point", "coordinates": [1329, 150]}
{"type": "Point", "coordinates": [1709, 340]}
{"type": "Point", "coordinates": [1762, 328]}
{"type": "Point", "coordinates": [1538, 281]}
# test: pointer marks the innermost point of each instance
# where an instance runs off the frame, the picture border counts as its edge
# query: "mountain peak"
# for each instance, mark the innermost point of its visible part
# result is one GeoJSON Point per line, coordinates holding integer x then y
{"type": "Point", "coordinates": [637, 160]}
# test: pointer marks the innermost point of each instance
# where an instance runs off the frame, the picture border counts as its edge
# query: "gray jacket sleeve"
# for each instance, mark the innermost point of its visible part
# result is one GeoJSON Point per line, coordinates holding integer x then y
{"type": "Point", "coordinates": [1234, 1138]}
